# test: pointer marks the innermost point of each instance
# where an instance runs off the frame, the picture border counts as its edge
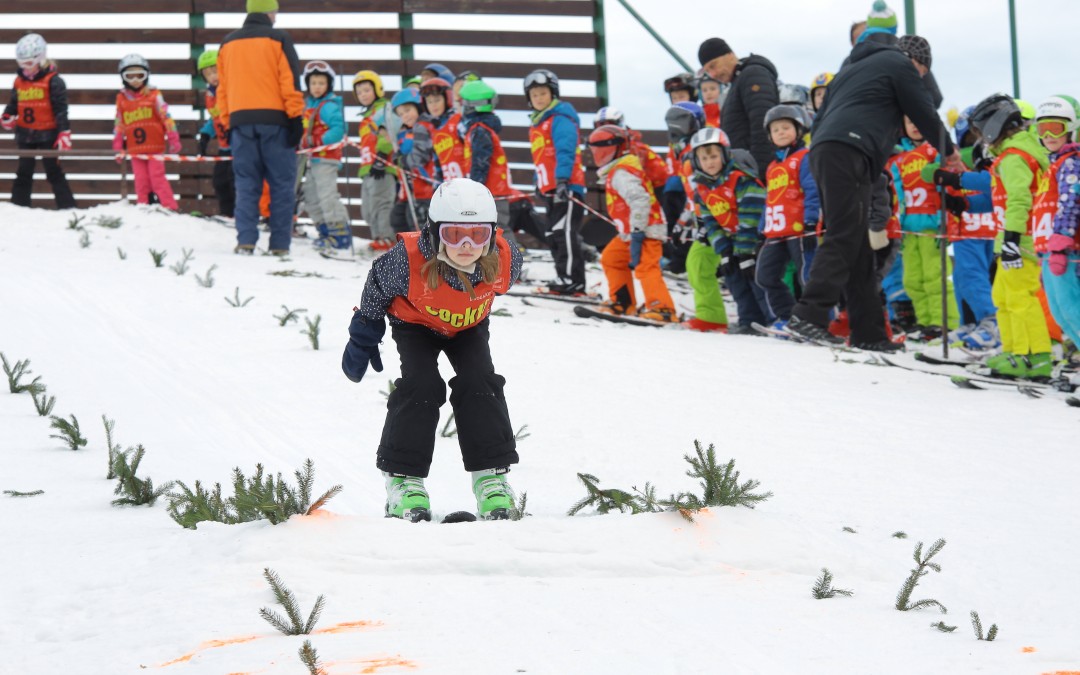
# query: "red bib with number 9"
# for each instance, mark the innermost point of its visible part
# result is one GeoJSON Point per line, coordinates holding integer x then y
{"type": "Point", "coordinates": [143, 129]}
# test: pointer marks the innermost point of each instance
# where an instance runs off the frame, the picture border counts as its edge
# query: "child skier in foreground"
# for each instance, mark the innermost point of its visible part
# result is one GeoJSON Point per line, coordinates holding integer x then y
{"type": "Point", "coordinates": [437, 285]}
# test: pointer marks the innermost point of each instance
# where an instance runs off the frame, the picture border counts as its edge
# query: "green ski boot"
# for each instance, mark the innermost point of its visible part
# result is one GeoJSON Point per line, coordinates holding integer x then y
{"type": "Point", "coordinates": [494, 497]}
{"type": "Point", "coordinates": [406, 498]}
{"type": "Point", "coordinates": [999, 361]}
{"type": "Point", "coordinates": [1040, 365]}
{"type": "Point", "coordinates": [1009, 365]}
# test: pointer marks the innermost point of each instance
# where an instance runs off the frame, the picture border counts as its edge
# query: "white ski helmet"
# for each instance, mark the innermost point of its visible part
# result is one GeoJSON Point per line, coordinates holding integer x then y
{"type": "Point", "coordinates": [462, 200]}
{"type": "Point", "coordinates": [709, 136]}
{"type": "Point", "coordinates": [133, 61]}
{"type": "Point", "coordinates": [609, 114]}
{"type": "Point", "coordinates": [1060, 107]}
{"type": "Point", "coordinates": [30, 50]}
{"type": "Point", "coordinates": [320, 68]}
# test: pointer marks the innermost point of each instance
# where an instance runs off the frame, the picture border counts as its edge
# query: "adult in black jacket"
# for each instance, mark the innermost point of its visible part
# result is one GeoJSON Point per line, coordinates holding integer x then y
{"type": "Point", "coordinates": [753, 91]}
{"type": "Point", "coordinates": [854, 134]}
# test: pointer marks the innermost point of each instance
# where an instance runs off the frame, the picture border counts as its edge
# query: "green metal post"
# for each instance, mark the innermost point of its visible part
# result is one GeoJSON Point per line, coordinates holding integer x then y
{"type": "Point", "coordinates": [196, 21]}
{"type": "Point", "coordinates": [909, 17]}
{"type": "Point", "coordinates": [656, 35]}
{"type": "Point", "coordinates": [601, 53]}
{"type": "Point", "coordinates": [1015, 56]}
{"type": "Point", "coordinates": [405, 23]}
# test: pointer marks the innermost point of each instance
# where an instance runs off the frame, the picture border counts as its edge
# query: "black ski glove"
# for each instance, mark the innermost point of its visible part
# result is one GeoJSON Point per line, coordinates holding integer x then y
{"type": "Point", "coordinates": [363, 347]}
{"type": "Point", "coordinates": [204, 143]}
{"type": "Point", "coordinates": [947, 178]}
{"type": "Point", "coordinates": [955, 205]}
{"type": "Point", "coordinates": [295, 132]}
{"type": "Point", "coordinates": [562, 192]}
{"type": "Point", "coordinates": [378, 167]}
{"type": "Point", "coordinates": [1010, 251]}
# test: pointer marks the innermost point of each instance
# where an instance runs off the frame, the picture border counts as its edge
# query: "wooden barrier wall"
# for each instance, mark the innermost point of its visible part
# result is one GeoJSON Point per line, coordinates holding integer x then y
{"type": "Point", "coordinates": [95, 180]}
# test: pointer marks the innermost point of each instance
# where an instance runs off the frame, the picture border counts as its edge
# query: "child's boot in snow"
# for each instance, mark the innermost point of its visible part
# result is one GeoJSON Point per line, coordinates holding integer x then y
{"type": "Point", "coordinates": [406, 498]}
{"type": "Point", "coordinates": [494, 498]}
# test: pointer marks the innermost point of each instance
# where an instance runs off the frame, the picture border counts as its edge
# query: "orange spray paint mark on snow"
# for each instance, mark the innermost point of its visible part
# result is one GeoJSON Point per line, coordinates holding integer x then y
{"type": "Point", "coordinates": [321, 513]}
{"type": "Point", "coordinates": [1064, 672]}
{"type": "Point", "coordinates": [1027, 650]}
{"type": "Point", "coordinates": [348, 627]}
{"type": "Point", "coordinates": [210, 644]}
{"type": "Point", "coordinates": [368, 665]}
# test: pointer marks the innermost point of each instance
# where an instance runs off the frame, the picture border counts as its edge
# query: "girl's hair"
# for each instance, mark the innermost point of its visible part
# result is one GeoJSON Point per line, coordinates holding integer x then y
{"type": "Point", "coordinates": [489, 265]}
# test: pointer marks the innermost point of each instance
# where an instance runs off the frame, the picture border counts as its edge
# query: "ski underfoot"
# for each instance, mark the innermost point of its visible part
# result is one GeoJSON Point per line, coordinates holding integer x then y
{"type": "Point", "coordinates": [542, 293]}
{"type": "Point", "coordinates": [800, 340]}
{"type": "Point", "coordinates": [1030, 388]}
{"type": "Point", "coordinates": [590, 313]}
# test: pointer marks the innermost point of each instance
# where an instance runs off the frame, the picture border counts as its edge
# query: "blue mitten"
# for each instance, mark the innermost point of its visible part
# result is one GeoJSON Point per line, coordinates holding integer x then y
{"type": "Point", "coordinates": [637, 239]}
{"type": "Point", "coordinates": [363, 347]}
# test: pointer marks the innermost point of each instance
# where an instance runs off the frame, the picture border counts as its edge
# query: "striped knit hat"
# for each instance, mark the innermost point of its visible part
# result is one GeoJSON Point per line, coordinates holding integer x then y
{"type": "Point", "coordinates": [881, 16]}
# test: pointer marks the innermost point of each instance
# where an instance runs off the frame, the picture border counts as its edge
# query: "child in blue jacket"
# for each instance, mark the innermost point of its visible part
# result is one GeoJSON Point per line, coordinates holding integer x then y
{"type": "Point", "coordinates": [324, 124]}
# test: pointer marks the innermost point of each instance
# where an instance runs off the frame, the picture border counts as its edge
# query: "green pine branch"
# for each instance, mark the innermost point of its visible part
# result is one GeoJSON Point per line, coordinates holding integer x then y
{"type": "Point", "coordinates": [923, 565]}
{"type": "Point", "coordinates": [310, 658]}
{"type": "Point", "coordinates": [69, 432]}
{"type": "Point", "coordinates": [719, 484]}
{"type": "Point", "coordinates": [943, 627]}
{"type": "Point", "coordinates": [136, 491]}
{"type": "Point", "coordinates": [84, 239]}
{"type": "Point", "coordinates": [181, 267]}
{"type": "Point", "coordinates": [42, 403]}
{"type": "Point", "coordinates": [521, 433]}
{"type": "Point", "coordinates": [75, 221]}
{"type": "Point", "coordinates": [823, 588]}
{"type": "Point", "coordinates": [113, 448]}
{"type": "Point", "coordinates": [389, 388]}
{"type": "Point", "coordinates": [158, 256]}
{"type": "Point", "coordinates": [208, 280]}
{"type": "Point", "coordinates": [289, 315]}
{"type": "Point", "coordinates": [190, 507]}
{"type": "Point", "coordinates": [108, 222]}
{"type": "Point", "coordinates": [235, 301]}
{"type": "Point", "coordinates": [446, 431]}
{"type": "Point", "coordinates": [16, 493]}
{"type": "Point", "coordinates": [976, 623]}
{"type": "Point", "coordinates": [15, 374]}
{"type": "Point", "coordinates": [312, 331]}
{"type": "Point", "coordinates": [293, 624]}
{"type": "Point", "coordinates": [604, 501]}
{"type": "Point", "coordinates": [519, 512]}
{"type": "Point", "coordinates": [120, 252]}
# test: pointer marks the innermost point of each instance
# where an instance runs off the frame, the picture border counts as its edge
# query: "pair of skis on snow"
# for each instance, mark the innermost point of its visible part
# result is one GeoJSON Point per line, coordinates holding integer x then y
{"type": "Point", "coordinates": [585, 307]}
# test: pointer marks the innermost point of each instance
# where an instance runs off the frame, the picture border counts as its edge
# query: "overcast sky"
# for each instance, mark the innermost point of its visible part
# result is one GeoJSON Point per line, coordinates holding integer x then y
{"type": "Point", "coordinates": [970, 40]}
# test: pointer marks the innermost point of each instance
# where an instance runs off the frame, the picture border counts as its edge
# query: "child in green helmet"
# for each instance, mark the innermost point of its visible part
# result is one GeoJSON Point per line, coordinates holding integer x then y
{"type": "Point", "coordinates": [213, 129]}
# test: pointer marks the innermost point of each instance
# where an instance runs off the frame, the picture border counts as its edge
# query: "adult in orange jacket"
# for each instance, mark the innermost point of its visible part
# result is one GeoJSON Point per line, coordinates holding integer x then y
{"type": "Point", "coordinates": [261, 104]}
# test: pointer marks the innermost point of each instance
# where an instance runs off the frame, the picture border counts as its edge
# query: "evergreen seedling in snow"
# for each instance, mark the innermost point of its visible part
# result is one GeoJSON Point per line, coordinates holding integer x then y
{"type": "Point", "coordinates": [181, 267]}
{"type": "Point", "coordinates": [389, 389]}
{"type": "Point", "coordinates": [289, 315]}
{"type": "Point", "coordinates": [647, 498]}
{"type": "Point", "coordinates": [976, 623]}
{"type": "Point", "coordinates": [69, 432]}
{"type": "Point", "coordinates": [42, 403]}
{"type": "Point", "coordinates": [900, 535]}
{"type": "Point", "coordinates": [850, 529]}
{"type": "Point", "coordinates": [108, 222]}
{"type": "Point", "coordinates": [923, 567]}
{"type": "Point", "coordinates": [16, 373]}
{"type": "Point", "coordinates": [519, 512]}
{"type": "Point", "coordinates": [294, 273]}
{"type": "Point", "coordinates": [120, 252]}
{"type": "Point", "coordinates": [113, 448]}
{"type": "Point", "coordinates": [294, 625]}
{"type": "Point", "coordinates": [208, 280]}
{"type": "Point", "coordinates": [74, 222]}
{"type": "Point", "coordinates": [16, 493]}
{"type": "Point", "coordinates": [719, 484]}
{"type": "Point", "coordinates": [237, 302]}
{"type": "Point", "coordinates": [191, 508]}
{"type": "Point", "coordinates": [158, 257]}
{"type": "Point", "coordinates": [941, 626]}
{"type": "Point", "coordinates": [823, 588]}
{"type": "Point", "coordinates": [84, 239]}
{"type": "Point", "coordinates": [136, 491]}
{"type": "Point", "coordinates": [502, 311]}
{"type": "Point", "coordinates": [521, 433]}
{"type": "Point", "coordinates": [310, 658]}
{"type": "Point", "coordinates": [312, 331]}
{"type": "Point", "coordinates": [446, 431]}
{"type": "Point", "coordinates": [605, 501]}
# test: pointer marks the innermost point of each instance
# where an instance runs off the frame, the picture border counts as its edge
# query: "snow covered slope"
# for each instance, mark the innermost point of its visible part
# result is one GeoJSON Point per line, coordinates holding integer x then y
{"type": "Point", "coordinates": [86, 587]}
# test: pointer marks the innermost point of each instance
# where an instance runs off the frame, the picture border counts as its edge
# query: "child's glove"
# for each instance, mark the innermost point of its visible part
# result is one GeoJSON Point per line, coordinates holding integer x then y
{"type": "Point", "coordinates": [947, 178]}
{"type": "Point", "coordinates": [8, 122]}
{"type": "Point", "coordinates": [1059, 246]}
{"type": "Point", "coordinates": [637, 239]}
{"type": "Point", "coordinates": [1010, 251]}
{"type": "Point", "coordinates": [378, 167]}
{"type": "Point", "coordinates": [173, 139]}
{"type": "Point", "coordinates": [562, 192]}
{"type": "Point", "coordinates": [363, 347]}
{"type": "Point", "coordinates": [295, 132]}
{"type": "Point", "coordinates": [63, 141]}
{"type": "Point", "coordinates": [955, 205]}
{"type": "Point", "coordinates": [204, 144]}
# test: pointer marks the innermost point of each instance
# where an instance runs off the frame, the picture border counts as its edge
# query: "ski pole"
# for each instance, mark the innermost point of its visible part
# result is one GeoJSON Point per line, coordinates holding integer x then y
{"type": "Point", "coordinates": [944, 256]}
{"type": "Point", "coordinates": [408, 193]}
{"type": "Point", "coordinates": [593, 211]}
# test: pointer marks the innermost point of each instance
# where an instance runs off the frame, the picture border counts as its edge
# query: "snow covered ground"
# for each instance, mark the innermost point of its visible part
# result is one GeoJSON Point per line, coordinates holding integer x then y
{"type": "Point", "coordinates": [86, 587]}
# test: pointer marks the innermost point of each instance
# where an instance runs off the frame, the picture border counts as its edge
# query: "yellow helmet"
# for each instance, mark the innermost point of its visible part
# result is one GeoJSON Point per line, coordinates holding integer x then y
{"type": "Point", "coordinates": [1027, 111]}
{"type": "Point", "coordinates": [369, 76]}
{"type": "Point", "coordinates": [822, 80]}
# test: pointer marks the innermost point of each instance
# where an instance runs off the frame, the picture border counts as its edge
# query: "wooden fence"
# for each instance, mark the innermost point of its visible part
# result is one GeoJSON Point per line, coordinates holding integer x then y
{"type": "Point", "coordinates": [96, 180]}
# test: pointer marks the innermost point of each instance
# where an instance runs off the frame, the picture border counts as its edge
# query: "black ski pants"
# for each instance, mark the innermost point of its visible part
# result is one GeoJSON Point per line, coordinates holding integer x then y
{"type": "Point", "coordinates": [225, 188]}
{"type": "Point", "coordinates": [564, 238]}
{"type": "Point", "coordinates": [844, 263]}
{"type": "Point", "coordinates": [24, 178]}
{"type": "Point", "coordinates": [476, 396]}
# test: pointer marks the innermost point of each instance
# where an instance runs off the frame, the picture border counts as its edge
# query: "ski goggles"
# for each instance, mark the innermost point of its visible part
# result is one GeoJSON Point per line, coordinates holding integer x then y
{"type": "Point", "coordinates": [432, 90]}
{"type": "Point", "coordinates": [676, 83]}
{"type": "Point", "coordinates": [1051, 128]}
{"type": "Point", "coordinates": [455, 235]}
{"type": "Point", "coordinates": [134, 75]}
{"type": "Point", "coordinates": [320, 67]}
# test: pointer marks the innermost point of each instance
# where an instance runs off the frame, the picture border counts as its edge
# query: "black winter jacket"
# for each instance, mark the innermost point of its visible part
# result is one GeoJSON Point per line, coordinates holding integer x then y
{"type": "Point", "coordinates": [59, 99]}
{"type": "Point", "coordinates": [867, 101]}
{"type": "Point", "coordinates": [753, 92]}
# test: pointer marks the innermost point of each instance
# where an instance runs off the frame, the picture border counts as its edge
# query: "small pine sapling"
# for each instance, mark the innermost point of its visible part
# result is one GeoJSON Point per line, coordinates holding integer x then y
{"type": "Point", "coordinates": [502, 311]}
{"type": "Point", "coordinates": [113, 448]}
{"type": "Point", "coordinates": [190, 507]}
{"type": "Point", "coordinates": [850, 530]}
{"type": "Point", "coordinates": [208, 280]}
{"type": "Point", "coordinates": [312, 331]}
{"type": "Point", "coordinates": [604, 501]}
{"type": "Point", "coordinates": [647, 498]}
{"type": "Point", "coordinates": [16, 493]}
{"type": "Point", "coordinates": [521, 434]}
{"type": "Point", "coordinates": [923, 567]}
{"type": "Point", "coordinates": [75, 221]}
{"type": "Point", "coordinates": [84, 239]}
{"type": "Point", "coordinates": [976, 623]}
{"type": "Point", "coordinates": [120, 252]}
{"type": "Point", "coordinates": [158, 256]}
{"type": "Point", "coordinates": [69, 432]}
{"type": "Point", "coordinates": [108, 222]}
{"type": "Point", "coordinates": [823, 588]}
{"type": "Point", "coordinates": [42, 403]}
{"type": "Point", "coordinates": [719, 484]}
{"type": "Point", "coordinates": [15, 374]}
{"type": "Point", "coordinates": [299, 275]}
{"type": "Point", "coordinates": [289, 315]}
{"type": "Point", "coordinates": [293, 625]}
{"type": "Point", "coordinates": [519, 512]}
{"type": "Point", "coordinates": [390, 387]}
{"type": "Point", "coordinates": [236, 301]}
{"type": "Point", "coordinates": [446, 431]}
{"type": "Point", "coordinates": [943, 627]}
{"type": "Point", "coordinates": [136, 491]}
{"type": "Point", "coordinates": [181, 267]}
{"type": "Point", "coordinates": [310, 658]}
{"type": "Point", "coordinates": [899, 534]}
{"type": "Point", "coordinates": [261, 496]}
